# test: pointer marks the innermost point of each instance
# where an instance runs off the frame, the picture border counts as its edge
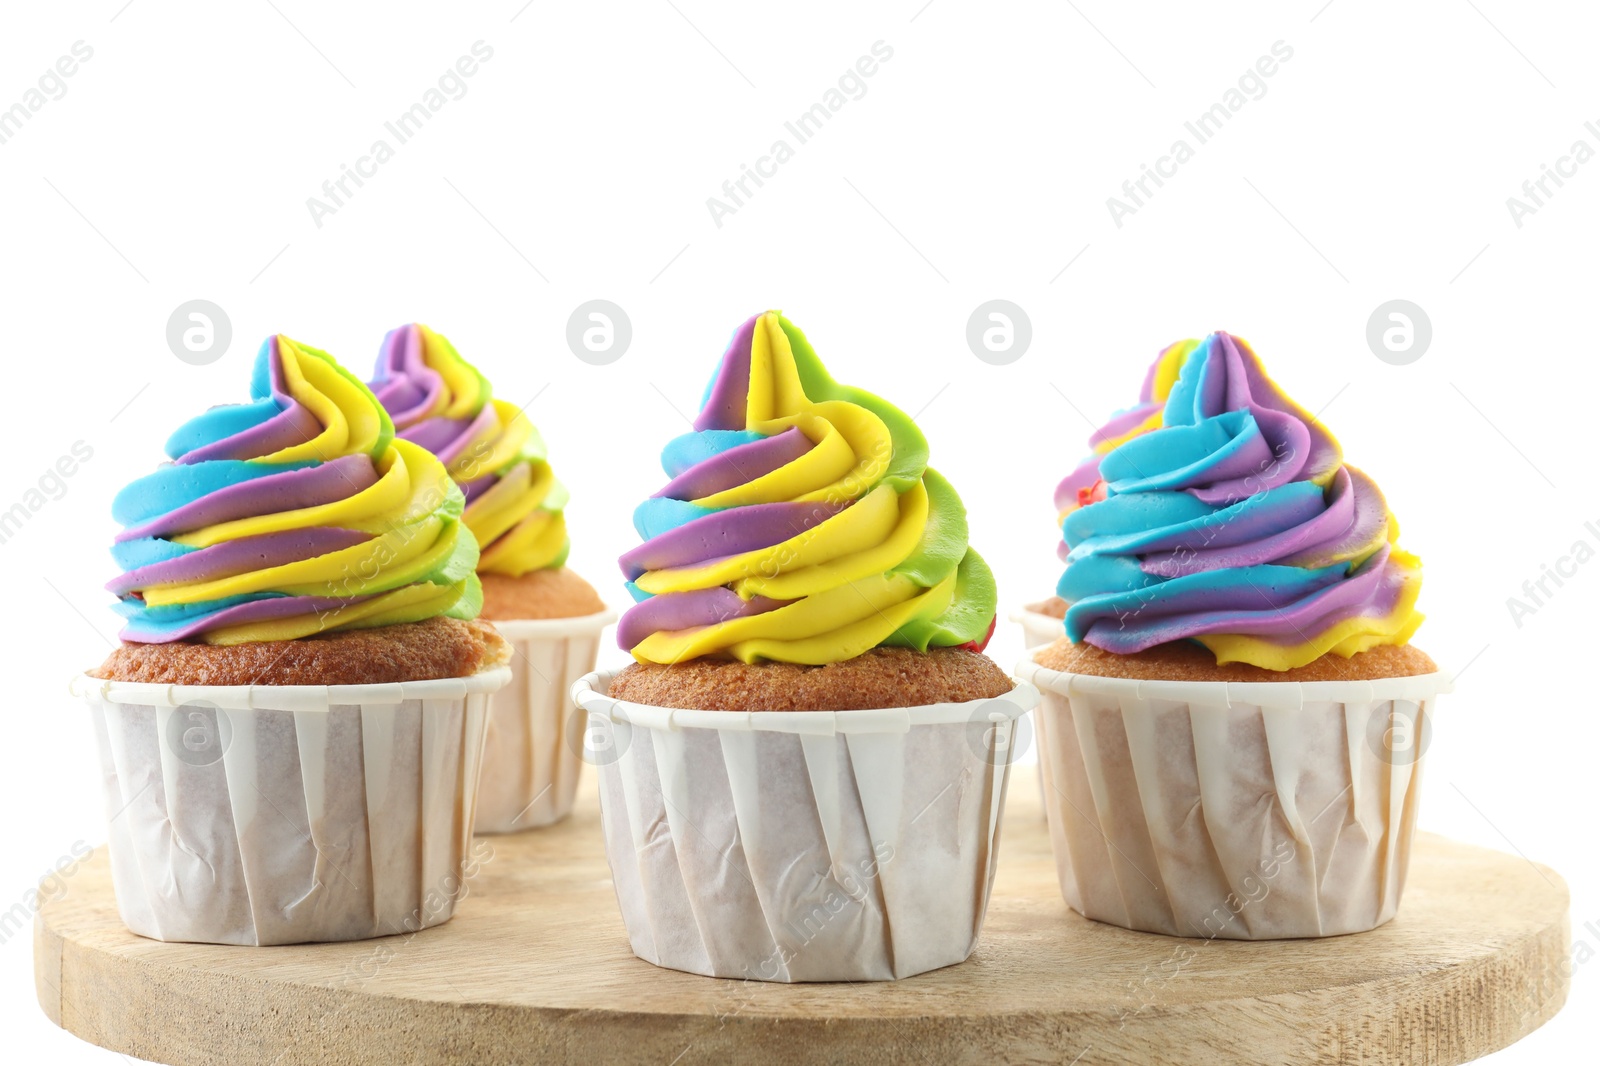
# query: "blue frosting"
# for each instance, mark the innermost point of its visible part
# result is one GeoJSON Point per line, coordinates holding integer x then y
{"type": "Point", "coordinates": [132, 554]}
{"type": "Point", "coordinates": [658, 515]}
{"type": "Point", "coordinates": [178, 485]}
{"type": "Point", "coordinates": [217, 424]}
{"type": "Point", "coordinates": [173, 615]}
{"type": "Point", "coordinates": [682, 453]}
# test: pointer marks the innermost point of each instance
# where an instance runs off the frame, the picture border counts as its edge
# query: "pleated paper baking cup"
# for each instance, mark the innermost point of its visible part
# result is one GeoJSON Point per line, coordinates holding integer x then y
{"type": "Point", "coordinates": [532, 755]}
{"type": "Point", "coordinates": [1243, 811]}
{"type": "Point", "coordinates": [263, 814]}
{"type": "Point", "coordinates": [1039, 629]}
{"type": "Point", "coordinates": [803, 845]}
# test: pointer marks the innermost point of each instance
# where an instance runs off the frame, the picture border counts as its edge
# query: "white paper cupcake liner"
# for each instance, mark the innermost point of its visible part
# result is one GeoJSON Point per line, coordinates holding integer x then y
{"type": "Point", "coordinates": [804, 845]}
{"type": "Point", "coordinates": [289, 814]}
{"type": "Point", "coordinates": [1243, 811]}
{"type": "Point", "coordinates": [1039, 629]}
{"type": "Point", "coordinates": [533, 751]}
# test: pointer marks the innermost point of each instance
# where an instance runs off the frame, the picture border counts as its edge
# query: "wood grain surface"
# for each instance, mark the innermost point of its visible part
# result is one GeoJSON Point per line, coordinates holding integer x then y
{"type": "Point", "coordinates": [535, 968]}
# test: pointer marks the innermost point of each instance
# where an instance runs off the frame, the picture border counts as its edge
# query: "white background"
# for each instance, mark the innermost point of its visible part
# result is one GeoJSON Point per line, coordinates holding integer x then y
{"type": "Point", "coordinates": [977, 166]}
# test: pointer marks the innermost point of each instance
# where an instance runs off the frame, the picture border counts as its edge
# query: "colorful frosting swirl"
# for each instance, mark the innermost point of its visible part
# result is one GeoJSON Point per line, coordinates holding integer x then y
{"type": "Point", "coordinates": [1083, 486]}
{"type": "Point", "coordinates": [1219, 511]}
{"type": "Point", "coordinates": [801, 524]}
{"type": "Point", "coordinates": [439, 400]}
{"type": "Point", "coordinates": [294, 514]}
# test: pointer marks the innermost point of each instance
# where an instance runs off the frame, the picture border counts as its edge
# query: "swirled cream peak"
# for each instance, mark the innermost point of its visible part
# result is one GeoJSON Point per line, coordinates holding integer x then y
{"type": "Point", "coordinates": [296, 513]}
{"type": "Point", "coordinates": [1084, 485]}
{"type": "Point", "coordinates": [1220, 511]}
{"type": "Point", "coordinates": [801, 524]}
{"type": "Point", "coordinates": [439, 400]}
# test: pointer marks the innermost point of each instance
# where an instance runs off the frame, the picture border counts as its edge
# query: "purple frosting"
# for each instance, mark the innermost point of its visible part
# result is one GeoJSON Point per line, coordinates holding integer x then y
{"type": "Point", "coordinates": [738, 466]}
{"type": "Point", "coordinates": [329, 482]}
{"type": "Point", "coordinates": [728, 403]}
{"type": "Point", "coordinates": [686, 610]}
{"type": "Point", "coordinates": [240, 556]}
{"type": "Point", "coordinates": [725, 533]}
{"type": "Point", "coordinates": [239, 614]}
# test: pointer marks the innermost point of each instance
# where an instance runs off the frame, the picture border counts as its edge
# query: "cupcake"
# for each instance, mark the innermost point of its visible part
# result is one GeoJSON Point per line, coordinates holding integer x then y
{"type": "Point", "coordinates": [804, 767]}
{"type": "Point", "coordinates": [290, 730]}
{"type": "Point", "coordinates": [1234, 716]}
{"type": "Point", "coordinates": [551, 616]}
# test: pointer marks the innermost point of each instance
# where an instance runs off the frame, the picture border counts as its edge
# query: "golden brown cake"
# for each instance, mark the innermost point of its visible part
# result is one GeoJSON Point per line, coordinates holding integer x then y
{"type": "Point", "coordinates": [1055, 607]}
{"type": "Point", "coordinates": [555, 593]}
{"type": "Point", "coordinates": [418, 651]}
{"type": "Point", "coordinates": [1184, 661]}
{"type": "Point", "coordinates": [882, 677]}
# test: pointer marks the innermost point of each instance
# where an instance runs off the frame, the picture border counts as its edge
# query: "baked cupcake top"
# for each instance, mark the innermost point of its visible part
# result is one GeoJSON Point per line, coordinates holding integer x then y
{"type": "Point", "coordinates": [1220, 511]}
{"type": "Point", "coordinates": [294, 514]}
{"type": "Point", "coordinates": [801, 524]}
{"type": "Point", "coordinates": [440, 401]}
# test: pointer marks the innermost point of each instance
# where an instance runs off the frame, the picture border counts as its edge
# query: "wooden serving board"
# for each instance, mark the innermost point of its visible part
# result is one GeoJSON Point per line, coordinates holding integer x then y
{"type": "Point", "coordinates": [535, 968]}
